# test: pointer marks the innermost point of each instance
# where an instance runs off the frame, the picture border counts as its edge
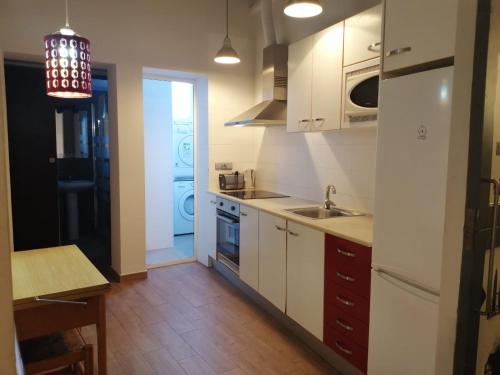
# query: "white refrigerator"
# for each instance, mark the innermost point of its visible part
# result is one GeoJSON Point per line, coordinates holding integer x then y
{"type": "Point", "coordinates": [410, 194]}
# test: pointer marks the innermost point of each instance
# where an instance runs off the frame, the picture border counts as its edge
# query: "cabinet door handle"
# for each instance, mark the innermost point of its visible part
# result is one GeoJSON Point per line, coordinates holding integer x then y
{"type": "Point", "coordinates": [304, 120]}
{"type": "Point", "coordinates": [346, 253]}
{"type": "Point", "coordinates": [374, 47]}
{"type": "Point", "coordinates": [344, 301]}
{"type": "Point", "coordinates": [347, 327]}
{"type": "Point", "coordinates": [398, 51]}
{"type": "Point", "coordinates": [342, 348]}
{"type": "Point", "coordinates": [280, 228]}
{"type": "Point", "coordinates": [243, 214]}
{"type": "Point", "coordinates": [346, 277]}
{"type": "Point", "coordinates": [293, 233]}
{"type": "Point", "coordinates": [319, 119]}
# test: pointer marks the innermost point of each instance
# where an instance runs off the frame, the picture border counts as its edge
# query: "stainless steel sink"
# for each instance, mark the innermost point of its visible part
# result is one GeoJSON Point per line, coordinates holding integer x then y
{"type": "Point", "coordinates": [323, 213]}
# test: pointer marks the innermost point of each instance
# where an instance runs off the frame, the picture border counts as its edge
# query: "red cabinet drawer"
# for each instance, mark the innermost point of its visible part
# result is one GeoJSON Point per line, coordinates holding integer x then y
{"type": "Point", "coordinates": [346, 348]}
{"type": "Point", "coordinates": [347, 301]}
{"type": "Point", "coordinates": [352, 278]}
{"type": "Point", "coordinates": [345, 323]}
{"type": "Point", "coordinates": [347, 252]}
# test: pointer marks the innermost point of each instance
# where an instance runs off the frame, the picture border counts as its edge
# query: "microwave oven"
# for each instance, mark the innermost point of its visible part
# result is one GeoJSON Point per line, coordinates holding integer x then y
{"type": "Point", "coordinates": [360, 94]}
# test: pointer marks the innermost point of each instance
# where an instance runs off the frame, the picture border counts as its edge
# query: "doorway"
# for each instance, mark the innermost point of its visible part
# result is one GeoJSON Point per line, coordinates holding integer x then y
{"type": "Point", "coordinates": [59, 164]}
{"type": "Point", "coordinates": [169, 140]}
{"type": "Point", "coordinates": [477, 349]}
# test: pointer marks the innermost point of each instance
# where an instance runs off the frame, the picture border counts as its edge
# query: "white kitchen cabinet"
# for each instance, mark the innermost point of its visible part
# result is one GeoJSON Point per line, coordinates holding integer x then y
{"type": "Point", "coordinates": [362, 36]}
{"type": "Point", "coordinates": [315, 81]}
{"type": "Point", "coordinates": [272, 259]}
{"type": "Point", "coordinates": [300, 60]}
{"type": "Point", "coordinates": [306, 277]}
{"type": "Point", "coordinates": [249, 246]}
{"type": "Point", "coordinates": [327, 79]}
{"type": "Point", "coordinates": [418, 32]}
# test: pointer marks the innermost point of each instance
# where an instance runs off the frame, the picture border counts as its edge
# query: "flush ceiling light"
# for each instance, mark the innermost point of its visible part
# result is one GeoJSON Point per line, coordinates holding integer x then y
{"type": "Point", "coordinates": [303, 8]}
{"type": "Point", "coordinates": [227, 54]}
{"type": "Point", "coordinates": [67, 64]}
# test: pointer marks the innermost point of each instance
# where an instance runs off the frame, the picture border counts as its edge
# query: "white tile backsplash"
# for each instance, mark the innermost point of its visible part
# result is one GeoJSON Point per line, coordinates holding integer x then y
{"type": "Point", "coordinates": [303, 164]}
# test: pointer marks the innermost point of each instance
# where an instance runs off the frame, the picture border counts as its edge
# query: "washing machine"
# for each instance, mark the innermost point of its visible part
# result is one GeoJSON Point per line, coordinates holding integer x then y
{"type": "Point", "coordinates": [183, 205]}
{"type": "Point", "coordinates": [183, 148]}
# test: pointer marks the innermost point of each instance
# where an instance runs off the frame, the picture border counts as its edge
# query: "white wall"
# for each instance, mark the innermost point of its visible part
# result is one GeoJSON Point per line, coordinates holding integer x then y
{"type": "Point", "coordinates": [158, 164]}
{"type": "Point", "coordinates": [303, 165]}
{"type": "Point", "coordinates": [128, 35]}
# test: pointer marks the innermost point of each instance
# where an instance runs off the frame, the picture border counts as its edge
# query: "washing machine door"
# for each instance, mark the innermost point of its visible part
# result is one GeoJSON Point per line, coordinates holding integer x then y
{"type": "Point", "coordinates": [185, 151]}
{"type": "Point", "coordinates": [186, 205]}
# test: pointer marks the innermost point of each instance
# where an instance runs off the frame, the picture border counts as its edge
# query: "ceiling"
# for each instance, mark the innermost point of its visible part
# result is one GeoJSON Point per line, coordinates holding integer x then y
{"type": "Point", "coordinates": [289, 30]}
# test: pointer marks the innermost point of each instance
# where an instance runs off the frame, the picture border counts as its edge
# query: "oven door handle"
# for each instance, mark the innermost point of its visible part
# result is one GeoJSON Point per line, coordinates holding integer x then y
{"type": "Point", "coordinates": [227, 220]}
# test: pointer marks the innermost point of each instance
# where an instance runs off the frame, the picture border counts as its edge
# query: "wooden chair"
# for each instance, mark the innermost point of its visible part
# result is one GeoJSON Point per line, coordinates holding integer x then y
{"type": "Point", "coordinates": [58, 353]}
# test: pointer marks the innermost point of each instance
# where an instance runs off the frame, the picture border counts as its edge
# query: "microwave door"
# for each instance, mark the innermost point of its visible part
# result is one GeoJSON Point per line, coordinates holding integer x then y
{"type": "Point", "coordinates": [364, 94]}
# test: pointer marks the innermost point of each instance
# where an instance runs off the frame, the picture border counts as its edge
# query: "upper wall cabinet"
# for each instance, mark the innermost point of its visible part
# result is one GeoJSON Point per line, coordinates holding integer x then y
{"type": "Point", "coordinates": [315, 81]}
{"type": "Point", "coordinates": [300, 65]}
{"type": "Point", "coordinates": [363, 36]}
{"type": "Point", "coordinates": [418, 32]}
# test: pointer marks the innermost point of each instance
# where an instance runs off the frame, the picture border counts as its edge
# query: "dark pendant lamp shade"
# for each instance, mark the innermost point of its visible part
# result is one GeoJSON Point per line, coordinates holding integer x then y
{"type": "Point", "coordinates": [67, 64]}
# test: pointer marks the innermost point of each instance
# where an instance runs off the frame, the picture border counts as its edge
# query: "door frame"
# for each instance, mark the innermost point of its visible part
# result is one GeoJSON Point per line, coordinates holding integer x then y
{"type": "Point", "coordinates": [477, 200]}
{"type": "Point", "coordinates": [199, 83]}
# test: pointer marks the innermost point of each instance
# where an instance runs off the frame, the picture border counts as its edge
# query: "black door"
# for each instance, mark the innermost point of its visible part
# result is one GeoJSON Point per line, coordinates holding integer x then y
{"type": "Point", "coordinates": [32, 150]}
{"type": "Point", "coordinates": [479, 306]}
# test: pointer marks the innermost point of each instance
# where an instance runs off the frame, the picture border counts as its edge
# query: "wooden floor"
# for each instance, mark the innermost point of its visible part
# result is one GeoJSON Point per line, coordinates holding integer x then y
{"type": "Point", "coordinates": [186, 319]}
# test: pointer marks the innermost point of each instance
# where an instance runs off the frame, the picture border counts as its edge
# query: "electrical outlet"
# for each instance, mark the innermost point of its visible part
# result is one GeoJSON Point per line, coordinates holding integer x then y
{"type": "Point", "coordinates": [223, 166]}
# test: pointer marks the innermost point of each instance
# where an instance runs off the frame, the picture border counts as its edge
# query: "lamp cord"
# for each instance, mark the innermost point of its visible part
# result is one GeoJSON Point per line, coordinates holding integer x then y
{"type": "Point", "coordinates": [227, 18]}
{"type": "Point", "coordinates": [67, 14]}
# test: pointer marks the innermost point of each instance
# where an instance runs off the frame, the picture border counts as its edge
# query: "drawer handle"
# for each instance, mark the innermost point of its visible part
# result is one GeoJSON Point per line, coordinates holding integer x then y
{"type": "Point", "coordinates": [344, 301]}
{"type": "Point", "coordinates": [305, 120]}
{"type": "Point", "coordinates": [398, 51]}
{"type": "Point", "coordinates": [342, 348]}
{"type": "Point", "coordinates": [293, 233]}
{"type": "Point", "coordinates": [213, 202]}
{"type": "Point", "coordinates": [374, 47]}
{"type": "Point", "coordinates": [345, 277]}
{"type": "Point", "coordinates": [243, 214]}
{"type": "Point", "coordinates": [346, 253]}
{"type": "Point", "coordinates": [280, 228]}
{"type": "Point", "coordinates": [343, 325]}
{"type": "Point", "coordinates": [38, 299]}
{"type": "Point", "coordinates": [319, 119]}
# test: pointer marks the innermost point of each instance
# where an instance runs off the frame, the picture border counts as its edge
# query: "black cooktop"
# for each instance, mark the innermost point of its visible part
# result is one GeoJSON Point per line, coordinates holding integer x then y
{"type": "Point", "coordinates": [253, 194]}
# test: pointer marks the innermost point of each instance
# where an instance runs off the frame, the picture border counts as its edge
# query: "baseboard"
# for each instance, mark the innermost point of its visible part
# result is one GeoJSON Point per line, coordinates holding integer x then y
{"type": "Point", "coordinates": [128, 277]}
{"type": "Point", "coordinates": [285, 322]}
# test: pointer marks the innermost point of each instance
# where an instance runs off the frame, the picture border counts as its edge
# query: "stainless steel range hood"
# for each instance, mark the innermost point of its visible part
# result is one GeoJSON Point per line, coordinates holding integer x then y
{"type": "Point", "coordinates": [272, 110]}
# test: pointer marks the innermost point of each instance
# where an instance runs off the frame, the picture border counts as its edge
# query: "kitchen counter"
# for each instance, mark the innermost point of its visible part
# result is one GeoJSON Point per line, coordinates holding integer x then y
{"type": "Point", "coordinates": [358, 229]}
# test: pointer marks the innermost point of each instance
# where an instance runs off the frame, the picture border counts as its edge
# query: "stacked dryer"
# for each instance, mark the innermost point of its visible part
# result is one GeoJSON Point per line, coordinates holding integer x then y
{"type": "Point", "coordinates": [183, 148]}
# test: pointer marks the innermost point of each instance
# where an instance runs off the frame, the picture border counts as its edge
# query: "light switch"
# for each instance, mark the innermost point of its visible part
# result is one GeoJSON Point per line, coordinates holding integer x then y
{"type": "Point", "coordinates": [223, 166]}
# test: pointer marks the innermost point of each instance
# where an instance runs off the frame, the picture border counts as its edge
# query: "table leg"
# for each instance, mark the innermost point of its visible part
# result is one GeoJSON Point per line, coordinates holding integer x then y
{"type": "Point", "coordinates": [101, 337]}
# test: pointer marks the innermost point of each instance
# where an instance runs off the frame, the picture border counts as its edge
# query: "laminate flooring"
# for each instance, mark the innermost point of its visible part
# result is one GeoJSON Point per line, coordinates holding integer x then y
{"type": "Point", "coordinates": [187, 319]}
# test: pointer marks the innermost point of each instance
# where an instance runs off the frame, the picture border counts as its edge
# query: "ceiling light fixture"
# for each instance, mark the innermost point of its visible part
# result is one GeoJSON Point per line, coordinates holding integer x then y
{"type": "Point", "coordinates": [67, 64]}
{"type": "Point", "coordinates": [227, 54]}
{"type": "Point", "coordinates": [303, 8]}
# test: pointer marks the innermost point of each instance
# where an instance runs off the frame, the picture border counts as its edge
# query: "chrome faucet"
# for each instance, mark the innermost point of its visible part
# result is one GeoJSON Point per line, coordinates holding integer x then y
{"type": "Point", "coordinates": [328, 202]}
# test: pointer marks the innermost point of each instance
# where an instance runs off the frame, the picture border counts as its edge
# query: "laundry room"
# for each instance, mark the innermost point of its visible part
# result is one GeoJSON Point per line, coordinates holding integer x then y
{"type": "Point", "coordinates": [169, 170]}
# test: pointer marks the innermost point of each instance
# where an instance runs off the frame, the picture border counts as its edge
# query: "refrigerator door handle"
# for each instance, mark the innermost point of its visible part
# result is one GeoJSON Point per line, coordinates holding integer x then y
{"type": "Point", "coordinates": [406, 280]}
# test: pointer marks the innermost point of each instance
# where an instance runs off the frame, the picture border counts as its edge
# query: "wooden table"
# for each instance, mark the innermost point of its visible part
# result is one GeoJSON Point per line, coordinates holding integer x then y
{"type": "Point", "coordinates": [64, 274]}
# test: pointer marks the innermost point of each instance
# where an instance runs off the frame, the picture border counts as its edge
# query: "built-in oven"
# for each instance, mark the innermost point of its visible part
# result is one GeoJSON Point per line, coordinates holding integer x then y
{"type": "Point", "coordinates": [228, 233]}
{"type": "Point", "coordinates": [360, 94]}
